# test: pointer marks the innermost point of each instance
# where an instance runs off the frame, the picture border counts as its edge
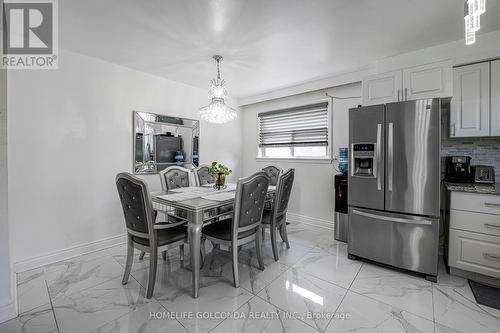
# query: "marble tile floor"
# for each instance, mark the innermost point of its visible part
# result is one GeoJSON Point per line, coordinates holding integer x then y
{"type": "Point", "coordinates": [313, 288]}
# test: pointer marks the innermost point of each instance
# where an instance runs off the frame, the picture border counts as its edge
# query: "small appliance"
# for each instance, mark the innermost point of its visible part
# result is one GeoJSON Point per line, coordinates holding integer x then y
{"type": "Point", "coordinates": [484, 174]}
{"type": "Point", "coordinates": [458, 169]}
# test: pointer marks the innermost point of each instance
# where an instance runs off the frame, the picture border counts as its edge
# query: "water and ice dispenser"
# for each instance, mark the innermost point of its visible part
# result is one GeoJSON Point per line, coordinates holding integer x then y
{"type": "Point", "coordinates": [363, 160]}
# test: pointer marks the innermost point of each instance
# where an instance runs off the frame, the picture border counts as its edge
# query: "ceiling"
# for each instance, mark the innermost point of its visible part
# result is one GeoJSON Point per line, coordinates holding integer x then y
{"type": "Point", "coordinates": [266, 44]}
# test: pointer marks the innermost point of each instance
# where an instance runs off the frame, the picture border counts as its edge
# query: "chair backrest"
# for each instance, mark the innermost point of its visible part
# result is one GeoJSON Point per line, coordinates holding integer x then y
{"type": "Point", "coordinates": [202, 176]}
{"type": "Point", "coordinates": [250, 198]}
{"type": "Point", "coordinates": [283, 191]}
{"type": "Point", "coordinates": [273, 172]}
{"type": "Point", "coordinates": [174, 177]}
{"type": "Point", "coordinates": [136, 204]}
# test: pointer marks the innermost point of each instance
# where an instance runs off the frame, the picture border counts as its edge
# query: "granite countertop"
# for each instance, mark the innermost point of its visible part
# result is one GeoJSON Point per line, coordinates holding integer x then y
{"type": "Point", "coordinates": [474, 188]}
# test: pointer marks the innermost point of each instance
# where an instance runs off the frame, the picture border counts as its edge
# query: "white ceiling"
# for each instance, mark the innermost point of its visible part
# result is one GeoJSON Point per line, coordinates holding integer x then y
{"type": "Point", "coordinates": [266, 44]}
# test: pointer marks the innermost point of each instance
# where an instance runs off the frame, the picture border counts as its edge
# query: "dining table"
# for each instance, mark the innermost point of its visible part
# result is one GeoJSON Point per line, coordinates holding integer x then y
{"type": "Point", "coordinates": [199, 206]}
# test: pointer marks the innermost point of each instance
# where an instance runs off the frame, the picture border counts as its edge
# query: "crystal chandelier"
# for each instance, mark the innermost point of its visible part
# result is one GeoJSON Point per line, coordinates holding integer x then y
{"type": "Point", "coordinates": [217, 111]}
{"type": "Point", "coordinates": [472, 16]}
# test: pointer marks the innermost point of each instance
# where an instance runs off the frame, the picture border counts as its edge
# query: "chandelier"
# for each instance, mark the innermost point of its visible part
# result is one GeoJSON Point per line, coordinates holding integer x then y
{"type": "Point", "coordinates": [217, 111]}
{"type": "Point", "coordinates": [472, 16]}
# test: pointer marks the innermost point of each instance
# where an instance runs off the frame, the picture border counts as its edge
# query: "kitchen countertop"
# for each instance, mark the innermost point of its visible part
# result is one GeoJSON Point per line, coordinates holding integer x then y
{"type": "Point", "coordinates": [474, 188]}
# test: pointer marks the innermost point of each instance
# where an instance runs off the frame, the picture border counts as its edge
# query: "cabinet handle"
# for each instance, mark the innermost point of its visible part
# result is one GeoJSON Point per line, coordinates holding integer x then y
{"type": "Point", "coordinates": [490, 256]}
{"type": "Point", "coordinates": [492, 226]}
{"type": "Point", "coordinates": [491, 204]}
{"type": "Point", "coordinates": [406, 94]}
{"type": "Point", "coordinates": [398, 95]}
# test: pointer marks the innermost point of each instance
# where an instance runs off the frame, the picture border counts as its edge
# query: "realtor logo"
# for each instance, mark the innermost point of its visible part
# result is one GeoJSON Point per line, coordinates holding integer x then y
{"type": "Point", "coordinates": [30, 34]}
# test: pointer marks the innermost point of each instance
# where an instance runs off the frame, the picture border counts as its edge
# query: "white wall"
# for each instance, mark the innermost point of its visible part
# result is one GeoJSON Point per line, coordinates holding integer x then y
{"type": "Point", "coordinates": [7, 303]}
{"type": "Point", "coordinates": [70, 133]}
{"type": "Point", "coordinates": [313, 193]}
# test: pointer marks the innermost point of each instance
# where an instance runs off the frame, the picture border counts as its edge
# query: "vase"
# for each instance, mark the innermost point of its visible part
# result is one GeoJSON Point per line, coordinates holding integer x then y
{"type": "Point", "coordinates": [220, 180]}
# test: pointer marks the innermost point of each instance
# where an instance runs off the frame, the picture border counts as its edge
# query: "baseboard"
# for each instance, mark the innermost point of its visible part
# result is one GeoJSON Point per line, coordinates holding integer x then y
{"type": "Point", "coordinates": [71, 252]}
{"type": "Point", "coordinates": [292, 217]}
{"type": "Point", "coordinates": [8, 311]}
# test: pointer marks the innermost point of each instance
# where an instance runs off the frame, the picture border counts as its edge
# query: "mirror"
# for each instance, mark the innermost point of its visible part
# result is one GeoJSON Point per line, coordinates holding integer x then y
{"type": "Point", "coordinates": [161, 141]}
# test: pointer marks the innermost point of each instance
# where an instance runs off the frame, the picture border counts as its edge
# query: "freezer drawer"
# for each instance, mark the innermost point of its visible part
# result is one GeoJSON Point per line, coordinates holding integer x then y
{"type": "Point", "coordinates": [404, 241]}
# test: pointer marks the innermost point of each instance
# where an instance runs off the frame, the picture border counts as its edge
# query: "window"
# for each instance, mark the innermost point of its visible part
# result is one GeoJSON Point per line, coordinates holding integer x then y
{"type": "Point", "coordinates": [299, 132]}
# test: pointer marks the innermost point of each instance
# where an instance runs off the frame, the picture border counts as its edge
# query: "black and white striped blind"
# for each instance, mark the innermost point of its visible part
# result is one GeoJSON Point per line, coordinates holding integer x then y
{"type": "Point", "coordinates": [298, 126]}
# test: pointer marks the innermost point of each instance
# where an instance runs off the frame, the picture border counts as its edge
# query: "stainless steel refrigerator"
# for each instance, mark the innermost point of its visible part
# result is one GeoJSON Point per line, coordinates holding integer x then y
{"type": "Point", "coordinates": [394, 184]}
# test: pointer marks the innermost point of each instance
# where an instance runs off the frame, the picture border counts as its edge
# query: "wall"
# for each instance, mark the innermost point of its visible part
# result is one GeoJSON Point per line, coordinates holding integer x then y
{"type": "Point", "coordinates": [7, 305]}
{"type": "Point", "coordinates": [70, 133]}
{"type": "Point", "coordinates": [313, 193]}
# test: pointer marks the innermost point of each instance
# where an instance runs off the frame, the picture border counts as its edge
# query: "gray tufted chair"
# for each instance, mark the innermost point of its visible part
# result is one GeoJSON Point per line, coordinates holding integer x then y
{"type": "Point", "coordinates": [245, 225]}
{"type": "Point", "coordinates": [174, 177]}
{"type": "Point", "coordinates": [202, 176]}
{"type": "Point", "coordinates": [142, 231]}
{"type": "Point", "coordinates": [275, 219]}
{"type": "Point", "coordinates": [273, 172]}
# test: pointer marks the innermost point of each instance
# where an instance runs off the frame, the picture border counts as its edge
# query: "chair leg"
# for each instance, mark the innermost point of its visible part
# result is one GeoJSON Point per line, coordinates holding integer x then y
{"type": "Point", "coordinates": [284, 235]}
{"type": "Point", "coordinates": [203, 252]}
{"type": "Point", "coordinates": [141, 256]}
{"type": "Point", "coordinates": [181, 251]}
{"type": "Point", "coordinates": [236, 277]}
{"type": "Point", "coordinates": [274, 245]}
{"type": "Point", "coordinates": [153, 261]}
{"type": "Point", "coordinates": [258, 248]}
{"type": "Point", "coordinates": [128, 264]}
{"type": "Point", "coordinates": [164, 255]}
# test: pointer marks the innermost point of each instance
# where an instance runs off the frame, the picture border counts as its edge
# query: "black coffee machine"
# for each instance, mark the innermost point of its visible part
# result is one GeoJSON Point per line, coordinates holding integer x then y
{"type": "Point", "coordinates": [458, 169]}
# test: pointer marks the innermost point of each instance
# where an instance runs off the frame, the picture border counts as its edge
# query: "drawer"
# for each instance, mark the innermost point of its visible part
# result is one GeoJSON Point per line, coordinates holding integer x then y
{"type": "Point", "coordinates": [475, 252]}
{"type": "Point", "coordinates": [476, 222]}
{"type": "Point", "coordinates": [476, 202]}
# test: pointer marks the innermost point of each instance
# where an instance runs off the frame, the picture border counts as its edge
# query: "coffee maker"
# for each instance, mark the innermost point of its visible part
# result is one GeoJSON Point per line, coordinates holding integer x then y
{"type": "Point", "coordinates": [458, 169]}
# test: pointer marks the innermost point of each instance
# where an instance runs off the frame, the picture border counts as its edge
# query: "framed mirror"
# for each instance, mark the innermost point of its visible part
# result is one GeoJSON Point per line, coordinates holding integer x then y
{"type": "Point", "coordinates": [161, 141]}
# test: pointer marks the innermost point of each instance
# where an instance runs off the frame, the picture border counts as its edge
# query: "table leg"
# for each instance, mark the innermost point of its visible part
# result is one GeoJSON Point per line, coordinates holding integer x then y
{"type": "Point", "coordinates": [194, 232]}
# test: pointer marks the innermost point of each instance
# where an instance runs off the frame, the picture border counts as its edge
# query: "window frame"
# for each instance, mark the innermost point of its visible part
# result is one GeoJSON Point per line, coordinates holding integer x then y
{"type": "Point", "coordinates": [312, 159]}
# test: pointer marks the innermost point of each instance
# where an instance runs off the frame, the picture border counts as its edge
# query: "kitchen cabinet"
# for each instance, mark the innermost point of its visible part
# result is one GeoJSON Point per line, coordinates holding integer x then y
{"type": "Point", "coordinates": [495, 98]}
{"type": "Point", "coordinates": [382, 88]}
{"type": "Point", "coordinates": [470, 105]}
{"type": "Point", "coordinates": [474, 233]}
{"type": "Point", "coordinates": [419, 82]}
{"type": "Point", "coordinates": [428, 81]}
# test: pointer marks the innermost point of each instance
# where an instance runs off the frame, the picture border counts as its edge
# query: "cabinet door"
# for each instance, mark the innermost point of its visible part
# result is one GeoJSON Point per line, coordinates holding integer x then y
{"type": "Point", "coordinates": [428, 81]}
{"type": "Point", "coordinates": [470, 105]}
{"type": "Point", "coordinates": [495, 98]}
{"type": "Point", "coordinates": [382, 88]}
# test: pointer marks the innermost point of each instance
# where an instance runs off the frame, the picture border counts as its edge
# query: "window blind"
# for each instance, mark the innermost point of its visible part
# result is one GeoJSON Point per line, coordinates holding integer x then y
{"type": "Point", "coordinates": [298, 126]}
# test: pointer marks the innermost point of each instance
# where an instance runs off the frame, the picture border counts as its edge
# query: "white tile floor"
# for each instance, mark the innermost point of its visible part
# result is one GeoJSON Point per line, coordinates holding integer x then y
{"type": "Point", "coordinates": [313, 288]}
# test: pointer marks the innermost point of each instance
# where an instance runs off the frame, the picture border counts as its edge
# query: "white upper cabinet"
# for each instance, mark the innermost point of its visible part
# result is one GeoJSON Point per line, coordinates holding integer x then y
{"type": "Point", "coordinates": [425, 81]}
{"type": "Point", "coordinates": [382, 88]}
{"type": "Point", "coordinates": [495, 98]}
{"type": "Point", "coordinates": [428, 81]}
{"type": "Point", "coordinates": [470, 105]}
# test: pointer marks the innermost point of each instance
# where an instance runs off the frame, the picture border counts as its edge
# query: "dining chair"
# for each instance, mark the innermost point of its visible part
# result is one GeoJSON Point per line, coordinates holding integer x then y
{"type": "Point", "coordinates": [273, 172]}
{"type": "Point", "coordinates": [245, 225]}
{"type": "Point", "coordinates": [275, 219]}
{"type": "Point", "coordinates": [202, 176]}
{"type": "Point", "coordinates": [142, 231]}
{"type": "Point", "coordinates": [171, 178]}
{"type": "Point", "coordinates": [174, 177]}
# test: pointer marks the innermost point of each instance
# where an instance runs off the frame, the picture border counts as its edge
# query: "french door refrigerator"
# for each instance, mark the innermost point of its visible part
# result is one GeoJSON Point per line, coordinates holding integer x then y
{"type": "Point", "coordinates": [394, 184]}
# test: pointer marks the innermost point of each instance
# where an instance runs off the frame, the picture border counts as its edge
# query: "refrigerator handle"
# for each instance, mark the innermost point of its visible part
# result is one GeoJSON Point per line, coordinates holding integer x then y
{"type": "Point", "coordinates": [378, 157]}
{"type": "Point", "coordinates": [390, 218]}
{"type": "Point", "coordinates": [390, 155]}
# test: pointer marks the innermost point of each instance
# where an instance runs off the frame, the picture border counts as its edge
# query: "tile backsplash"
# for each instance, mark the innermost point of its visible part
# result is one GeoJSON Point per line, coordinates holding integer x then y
{"type": "Point", "coordinates": [485, 151]}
